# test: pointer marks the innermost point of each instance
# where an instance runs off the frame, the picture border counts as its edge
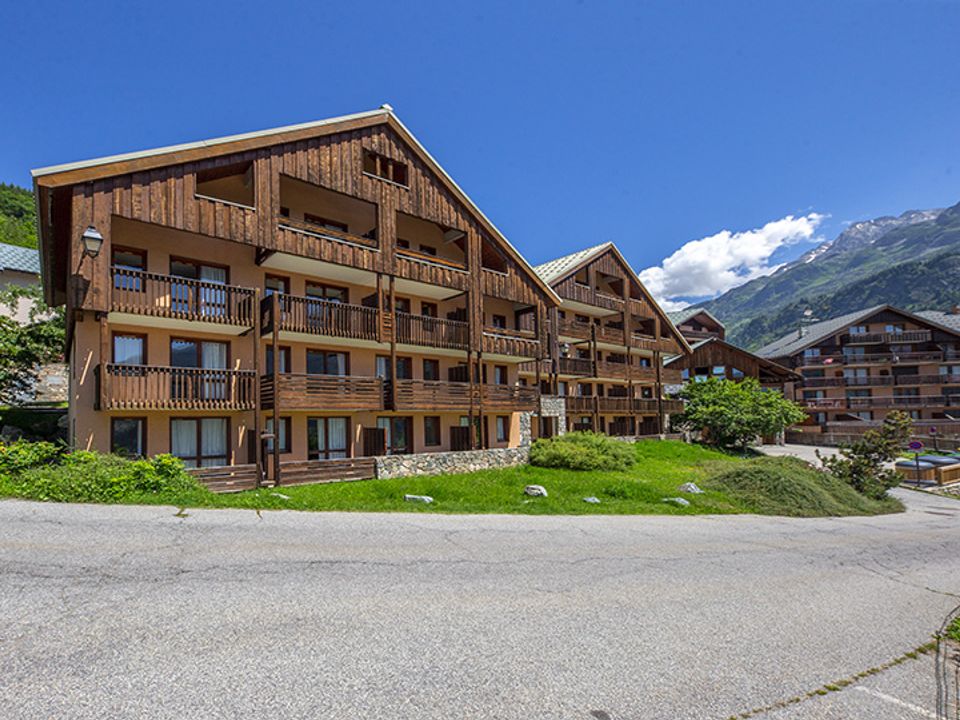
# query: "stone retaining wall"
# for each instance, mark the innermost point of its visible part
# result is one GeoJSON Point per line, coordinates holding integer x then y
{"type": "Point", "coordinates": [442, 463]}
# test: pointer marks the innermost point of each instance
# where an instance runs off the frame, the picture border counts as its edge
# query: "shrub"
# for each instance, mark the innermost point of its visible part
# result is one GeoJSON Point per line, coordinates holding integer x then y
{"type": "Point", "coordinates": [789, 486]}
{"type": "Point", "coordinates": [861, 464]}
{"type": "Point", "coordinates": [582, 451]}
{"type": "Point", "coordinates": [22, 454]}
{"type": "Point", "coordinates": [84, 476]}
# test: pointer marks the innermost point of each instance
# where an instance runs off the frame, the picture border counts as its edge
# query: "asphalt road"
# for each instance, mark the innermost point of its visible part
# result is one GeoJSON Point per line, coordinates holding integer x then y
{"type": "Point", "coordinates": [133, 612]}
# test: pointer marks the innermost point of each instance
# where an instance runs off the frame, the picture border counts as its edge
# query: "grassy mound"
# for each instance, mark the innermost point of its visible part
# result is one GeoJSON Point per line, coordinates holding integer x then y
{"type": "Point", "coordinates": [789, 486]}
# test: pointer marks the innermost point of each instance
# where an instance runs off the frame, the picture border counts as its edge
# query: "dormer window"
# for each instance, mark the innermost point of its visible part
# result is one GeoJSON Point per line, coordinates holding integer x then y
{"type": "Point", "coordinates": [385, 168]}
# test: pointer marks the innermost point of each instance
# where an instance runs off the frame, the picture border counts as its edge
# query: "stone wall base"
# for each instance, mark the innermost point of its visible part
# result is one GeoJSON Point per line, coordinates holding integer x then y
{"type": "Point", "coordinates": [443, 463]}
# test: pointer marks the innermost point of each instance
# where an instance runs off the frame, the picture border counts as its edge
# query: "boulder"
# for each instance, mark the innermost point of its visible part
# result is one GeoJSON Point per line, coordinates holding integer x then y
{"type": "Point", "coordinates": [690, 488]}
{"type": "Point", "coordinates": [592, 500]}
{"type": "Point", "coordinates": [535, 490]}
{"type": "Point", "coordinates": [280, 495]}
{"type": "Point", "coordinates": [425, 499]}
{"type": "Point", "coordinates": [682, 502]}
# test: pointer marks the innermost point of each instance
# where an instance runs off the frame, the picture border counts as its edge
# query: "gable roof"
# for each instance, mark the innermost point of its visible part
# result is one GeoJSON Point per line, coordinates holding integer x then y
{"type": "Point", "coordinates": [553, 271]}
{"type": "Point", "coordinates": [765, 362]}
{"type": "Point", "coordinates": [793, 342]}
{"type": "Point", "coordinates": [560, 267]}
{"type": "Point", "coordinates": [19, 259]}
{"type": "Point", "coordinates": [70, 173]}
{"type": "Point", "coordinates": [681, 316]}
{"type": "Point", "coordinates": [947, 319]}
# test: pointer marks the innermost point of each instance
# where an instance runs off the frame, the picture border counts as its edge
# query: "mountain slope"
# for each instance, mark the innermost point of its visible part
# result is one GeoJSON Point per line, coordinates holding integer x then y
{"type": "Point", "coordinates": [767, 307]}
{"type": "Point", "coordinates": [18, 216]}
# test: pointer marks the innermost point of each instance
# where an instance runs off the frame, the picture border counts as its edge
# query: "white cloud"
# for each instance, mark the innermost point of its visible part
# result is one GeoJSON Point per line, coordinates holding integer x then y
{"type": "Point", "coordinates": [712, 265]}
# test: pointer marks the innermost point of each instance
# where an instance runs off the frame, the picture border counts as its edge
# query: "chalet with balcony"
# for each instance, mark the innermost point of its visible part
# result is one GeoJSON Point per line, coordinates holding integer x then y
{"type": "Point", "coordinates": [712, 356]}
{"type": "Point", "coordinates": [608, 340]}
{"type": "Point", "coordinates": [860, 366]}
{"type": "Point", "coordinates": [311, 293]}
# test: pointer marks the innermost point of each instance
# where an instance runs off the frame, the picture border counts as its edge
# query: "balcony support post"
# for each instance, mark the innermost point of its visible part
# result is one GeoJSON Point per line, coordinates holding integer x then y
{"type": "Point", "coordinates": [275, 322]}
{"type": "Point", "coordinates": [380, 307]}
{"type": "Point", "coordinates": [658, 389]}
{"type": "Point", "coordinates": [257, 407]}
{"type": "Point", "coordinates": [393, 343]}
{"type": "Point", "coordinates": [480, 385]}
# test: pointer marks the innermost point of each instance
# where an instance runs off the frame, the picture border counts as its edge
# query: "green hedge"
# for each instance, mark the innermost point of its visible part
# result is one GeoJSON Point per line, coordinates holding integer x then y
{"type": "Point", "coordinates": [44, 471]}
{"type": "Point", "coordinates": [582, 451]}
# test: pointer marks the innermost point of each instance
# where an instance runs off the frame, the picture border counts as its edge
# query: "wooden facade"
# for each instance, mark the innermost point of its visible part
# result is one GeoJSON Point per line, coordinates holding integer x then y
{"type": "Point", "coordinates": [717, 358]}
{"type": "Point", "coordinates": [608, 342]}
{"type": "Point", "coordinates": [280, 280]}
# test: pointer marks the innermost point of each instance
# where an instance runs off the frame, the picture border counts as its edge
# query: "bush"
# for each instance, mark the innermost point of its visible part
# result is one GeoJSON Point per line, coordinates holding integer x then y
{"type": "Point", "coordinates": [789, 486]}
{"type": "Point", "coordinates": [582, 451]}
{"type": "Point", "coordinates": [36, 473]}
{"type": "Point", "coordinates": [861, 464]}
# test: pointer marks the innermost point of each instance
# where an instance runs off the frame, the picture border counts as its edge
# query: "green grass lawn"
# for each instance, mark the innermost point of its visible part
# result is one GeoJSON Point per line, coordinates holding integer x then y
{"type": "Point", "coordinates": [661, 467]}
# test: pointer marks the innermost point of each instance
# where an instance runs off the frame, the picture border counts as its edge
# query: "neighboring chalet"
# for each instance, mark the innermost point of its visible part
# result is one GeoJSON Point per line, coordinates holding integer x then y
{"type": "Point", "coordinates": [863, 365]}
{"type": "Point", "coordinates": [608, 341]}
{"type": "Point", "coordinates": [19, 267]}
{"type": "Point", "coordinates": [712, 356]}
{"type": "Point", "coordinates": [324, 287]}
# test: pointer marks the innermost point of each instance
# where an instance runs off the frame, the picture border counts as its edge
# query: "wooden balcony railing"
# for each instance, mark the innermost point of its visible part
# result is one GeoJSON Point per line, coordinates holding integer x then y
{"type": "Point", "coordinates": [146, 293]}
{"type": "Point", "coordinates": [431, 259]}
{"type": "Point", "coordinates": [323, 317]}
{"type": "Point", "coordinates": [907, 336]}
{"type": "Point", "coordinates": [606, 368]}
{"type": "Point", "coordinates": [884, 401]}
{"type": "Point", "coordinates": [431, 331]}
{"type": "Point", "coordinates": [575, 366]}
{"type": "Point", "coordinates": [326, 233]}
{"type": "Point", "coordinates": [514, 398]}
{"type": "Point", "coordinates": [323, 392]}
{"type": "Point", "coordinates": [516, 343]}
{"type": "Point", "coordinates": [432, 395]}
{"type": "Point", "coordinates": [151, 387]}
{"type": "Point", "coordinates": [574, 329]}
{"type": "Point", "coordinates": [669, 376]}
{"type": "Point", "coordinates": [618, 405]}
{"type": "Point", "coordinates": [865, 358]}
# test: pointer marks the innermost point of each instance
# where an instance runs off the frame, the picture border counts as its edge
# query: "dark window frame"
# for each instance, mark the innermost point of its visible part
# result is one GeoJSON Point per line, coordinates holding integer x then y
{"type": "Point", "coordinates": [143, 434]}
{"type": "Point", "coordinates": [199, 430]}
{"type": "Point", "coordinates": [430, 439]}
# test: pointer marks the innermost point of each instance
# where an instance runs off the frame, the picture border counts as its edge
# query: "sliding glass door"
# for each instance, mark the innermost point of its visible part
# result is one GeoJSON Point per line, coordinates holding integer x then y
{"type": "Point", "coordinates": [328, 438]}
{"type": "Point", "coordinates": [200, 442]}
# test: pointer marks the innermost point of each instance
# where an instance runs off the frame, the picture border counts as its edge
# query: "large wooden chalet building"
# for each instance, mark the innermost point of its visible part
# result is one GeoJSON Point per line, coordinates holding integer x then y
{"type": "Point", "coordinates": [860, 366]}
{"type": "Point", "coordinates": [321, 292]}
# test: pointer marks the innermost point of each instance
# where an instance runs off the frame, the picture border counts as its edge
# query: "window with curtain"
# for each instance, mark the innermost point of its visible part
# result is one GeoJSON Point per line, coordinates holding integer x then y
{"type": "Point", "coordinates": [431, 430]}
{"type": "Point", "coordinates": [129, 349]}
{"type": "Point", "coordinates": [284, 359]}
{"type": "Point", "coordinates": [128, 436]}
{"type": "Point", "coordinates": [327, 438]}
{"type": "Point", "coordinates": [202, 299]}
{"type": "Point", "coordinates": [503, 428]}
{"type": "Point", "coordinates": [326, 362]}
{"type": "Point", "coordinates": [283, 435]}
{"type": "Point", "coordinates": [399, 434]}
{"type": "Point", "coordinates": [128, 263]}
{"type": "Point", "coordinates": [431, 369]}
{"type": "Point", "coordinates": [200, 442]}
{"type": "Point", "coordinates": [199, 354]}
{"type": "Point", "coordinates": [500, 374]}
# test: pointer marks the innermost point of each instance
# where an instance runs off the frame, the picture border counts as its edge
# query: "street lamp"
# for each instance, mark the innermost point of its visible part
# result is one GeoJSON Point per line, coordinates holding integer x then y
{"type": "Point", "coordinates": [92, 241]}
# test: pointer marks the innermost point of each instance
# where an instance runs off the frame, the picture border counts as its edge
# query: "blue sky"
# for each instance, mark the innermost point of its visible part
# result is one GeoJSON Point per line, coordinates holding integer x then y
{"type": "Point", "coordinates": [651, 124]}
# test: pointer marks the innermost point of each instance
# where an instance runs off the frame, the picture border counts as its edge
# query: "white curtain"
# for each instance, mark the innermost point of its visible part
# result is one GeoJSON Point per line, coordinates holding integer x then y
{"type": "Point", "coordinates": [128, 350]}
{"type": "Point", "coordinates": [337, 427]}
{"type": "Point", "coordinates": [213, 437]}
{"type": "Point", "coordinates": [213, 355]}
{"type": "Point", "coordinates": [213, 301]}
{"type": "Point", "coordinates": [183, 440]}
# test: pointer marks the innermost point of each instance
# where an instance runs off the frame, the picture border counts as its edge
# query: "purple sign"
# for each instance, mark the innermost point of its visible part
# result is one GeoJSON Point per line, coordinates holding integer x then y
{"type": "Point", "coordinates": [916, 445]}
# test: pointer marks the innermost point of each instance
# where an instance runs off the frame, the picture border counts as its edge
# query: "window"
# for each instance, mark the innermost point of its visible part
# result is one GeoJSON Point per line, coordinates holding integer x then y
{"type": "Point", "coordinates": [503, 428]}
{"type": "Point", "coordinates": [581, 318]}
{"type": "Point", "coordinates": [327, 438]}
{"type": "Point", "coordinates": [325, 223]}
{"type": "Point", "coordinates": [189, 384]}
{"type": "Point", "coordinates": [811, 353]}
{"type": "Point", "coordinates": [330, 293]}
{"type": "Point", "coordinates": [129, 349]}
{"type": "Point", "coordinates": [431, 430]}
{"type": "Point", "coordinates": [428, 250]}
{"type": "Point", "coordinates": [202, 298]}
{"type": "Point", "coordinates": [719, 370]}
{"type": "Point", "coordinates": [499, 374]}
{"type": "Point", "coordinates": [128, 436]}
{"type": "Point", "coordinates": [584, 390]}
{"type": "Point", "coordinates": [230, 183]}
{"type": "Point", "coordinates": [327, 362]}
{"type": "Point", "coordinates": [402, 304]}
{"type": "Point", "coordinates": [895, 328]}
{"type": "Point", "coordinates": [428, 309]}
{"type": "Point", "coordinates": [858, 329]}
{"type": "Point", "coordinates": [276, 284]}
{"type": "Point", "coordinates": [284, 359]}
{"type": "Point", "coordinates": [188, 353]}
{"type": "Point", "coordinates": [128, 263]}
{"type": "Point", "coordinates": [385, 168]}
{"type": "Point", "coordinates": [562, 388]}
{"type": "Point", "coordinates": [500, 321]}
{"type": "Point", "coordinates": [200, 442]}
{"type": "Point", "coordinates": [284, 211]}
{"type": "Point", "coordinates": [738, 374]}
{"type": "Point", "coordinates": [403, 244]}
{"type": "Point", "coordinates": [399, 434]}
{"type": "Point", "coordinates": [431, 369]}
{"type": "Point", "coordinates": [404, 367]}
{"type": "Point", "coordinates": [284, 435]}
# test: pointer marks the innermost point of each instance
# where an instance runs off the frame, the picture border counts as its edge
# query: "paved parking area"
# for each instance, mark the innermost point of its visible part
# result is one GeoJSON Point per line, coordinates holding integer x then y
{"type": "Point", "coordinates": [136, 612]}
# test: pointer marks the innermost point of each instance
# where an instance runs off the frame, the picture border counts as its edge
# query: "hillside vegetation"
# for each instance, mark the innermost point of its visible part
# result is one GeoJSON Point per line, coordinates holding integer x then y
{"type": "Point", "coordinates": [910, 261]}
{"type": "Point", "coordinates": [18, 216]}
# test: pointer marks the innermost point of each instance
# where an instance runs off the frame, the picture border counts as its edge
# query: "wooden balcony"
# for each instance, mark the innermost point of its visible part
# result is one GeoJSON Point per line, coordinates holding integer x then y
{"type": "Point", "coordinates": [137, 292]}
{"type": "Point", "coordinates": [322, 317]}
{"type": "Point", "coordinates": [323, 392]}
{"type": "Point", "coordinates": [151, 387]}
{"type": "Point", "coordinates": [897, 338]}
{"type": "Point", "coordinates": [882, 402]}
{"type": "Point", "coordinates": [515, 343]}
{"type": "Point", "coordinates": [610, 335]}
{"type": "Point", "coordinates": [607, 369]}
{"type": "Point", "coordinates": [588, 296]}
{"type": "Point", "coordinates": [575, 329]}
{"type": "Point", "coordinates": [326, 233]}
{"type": "Point", "coordinates": [615, 405]}
{"type": "Point", "coordinates": [673, 406]}
{"type": "Point", "coordinates": [904, 358]}
{"type": "Point", "coordinates": [582, 367]}
{"type": "Point", "coordinates": [451, 396]}
{"type": "Point", "coordinates": [669, 376]}
{"type": "Point", "coordinates": [431, 331]}
{"type": "Point", "coordinates": [430, 269]}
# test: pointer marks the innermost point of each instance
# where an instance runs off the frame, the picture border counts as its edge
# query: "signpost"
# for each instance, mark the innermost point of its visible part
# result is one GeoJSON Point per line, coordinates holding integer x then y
{"type": "Point", "coordinates": [933, 434]}
{"type": "Point", "coordinates": [916, 446]}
